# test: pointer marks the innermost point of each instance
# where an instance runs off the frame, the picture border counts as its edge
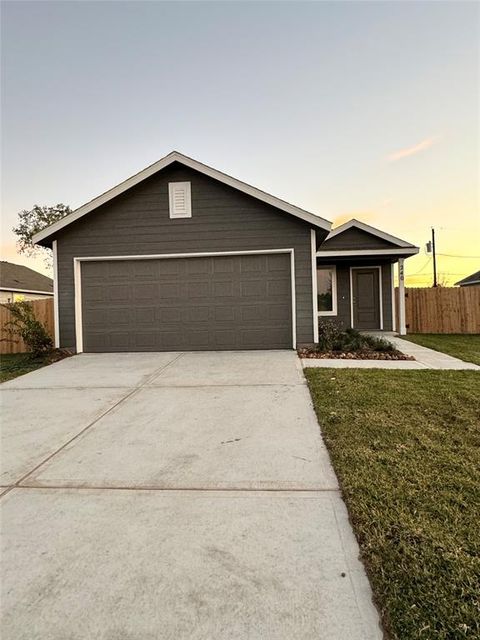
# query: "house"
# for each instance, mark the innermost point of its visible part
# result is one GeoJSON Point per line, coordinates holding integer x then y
{"type": "Point", "coordinates": [472, 280]}
{"type": "Point", "coordinates": [21, 283]}
{"type": "Point", "coordinates": [184, 257]}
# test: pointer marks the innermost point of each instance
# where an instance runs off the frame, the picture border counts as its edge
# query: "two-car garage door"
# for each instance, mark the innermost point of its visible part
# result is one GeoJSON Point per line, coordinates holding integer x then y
{"type": "Point", "coordinates": [183, 304]}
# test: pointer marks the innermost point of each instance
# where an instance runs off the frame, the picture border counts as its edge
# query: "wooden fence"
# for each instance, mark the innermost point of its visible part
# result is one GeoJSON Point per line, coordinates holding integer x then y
{"type": "Point", "coordinates": [442, 310]}
{"type": "Point", "coordinates": [43, 311]}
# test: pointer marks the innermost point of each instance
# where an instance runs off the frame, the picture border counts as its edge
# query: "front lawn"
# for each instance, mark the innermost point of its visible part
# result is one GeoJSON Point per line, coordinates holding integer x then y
{"type": "Point", "coordinates": [460, 345]}
{"type": "Point", "coordinates": [13, 365]}
{"type": "Point", "coordinates": [406, 448]}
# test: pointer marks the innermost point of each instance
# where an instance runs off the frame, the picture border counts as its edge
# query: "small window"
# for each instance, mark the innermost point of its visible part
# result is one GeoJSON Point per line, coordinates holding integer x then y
{"type": "Point", "coordinates": [180, 200]}
{"type": "Point", "coordinates": [327, 291]}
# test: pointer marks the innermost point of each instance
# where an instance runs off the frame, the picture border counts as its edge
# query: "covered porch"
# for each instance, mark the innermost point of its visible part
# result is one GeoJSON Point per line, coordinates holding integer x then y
{"type": "Point", "coordinates": [355, 271]}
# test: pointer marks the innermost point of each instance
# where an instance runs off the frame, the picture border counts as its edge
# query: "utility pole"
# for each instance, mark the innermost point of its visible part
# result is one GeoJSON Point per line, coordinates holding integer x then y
{"type": "Point", "coordinates": [434, 259]}
{"type": "Point", "coordinates": [431, 247]}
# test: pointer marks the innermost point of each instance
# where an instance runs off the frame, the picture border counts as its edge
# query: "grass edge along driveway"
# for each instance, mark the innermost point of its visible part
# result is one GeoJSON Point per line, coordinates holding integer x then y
{"type": "Point", "coordinates": [459, 345]}
{"type": "Point", "coordinates": [13, 365]}
{"type": "Point", "coordinates": [406, 448]}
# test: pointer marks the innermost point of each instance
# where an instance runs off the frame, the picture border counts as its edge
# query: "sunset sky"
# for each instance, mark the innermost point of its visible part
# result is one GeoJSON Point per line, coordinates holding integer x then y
{"type": "Point", "coordinates": [366, 110]}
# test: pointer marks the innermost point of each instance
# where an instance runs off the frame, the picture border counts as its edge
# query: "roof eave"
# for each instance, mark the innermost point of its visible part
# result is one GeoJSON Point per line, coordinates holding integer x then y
{"type": "Point", "coordinates": [175, 156]}
{"type": "Point", "coordinates": [347, 253]}
{"type": "Point", "coordinates": [358, 224]}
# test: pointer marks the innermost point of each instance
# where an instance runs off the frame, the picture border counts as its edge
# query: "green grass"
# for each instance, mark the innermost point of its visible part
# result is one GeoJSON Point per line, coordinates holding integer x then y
{"type": "Point", "coordinates": [406, 448]}
{"type": "Point", "coordinates": [463, 346]}
{"type": "Point", "coordinates": [16, 364]}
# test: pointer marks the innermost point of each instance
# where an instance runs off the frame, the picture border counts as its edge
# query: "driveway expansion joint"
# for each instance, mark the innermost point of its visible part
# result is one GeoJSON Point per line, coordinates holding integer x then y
{"type": "Point", "coordinates": [133, 391]}
{"type": "Point", "coordinates": [223, 490]}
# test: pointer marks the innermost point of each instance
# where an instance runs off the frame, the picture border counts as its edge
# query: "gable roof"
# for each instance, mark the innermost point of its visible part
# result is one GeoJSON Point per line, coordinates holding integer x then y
{"type": "Point", "coordinates": [175, 156]}
{"type": "Point", "coordinates": [16, 277]}
{"type": "Point", "coordinates": [368, 229]}
{"type": "Point", "coordinates": [473, 278]}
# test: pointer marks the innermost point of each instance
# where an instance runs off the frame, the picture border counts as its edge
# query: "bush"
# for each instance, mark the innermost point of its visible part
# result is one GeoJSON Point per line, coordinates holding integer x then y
{"type": "Point", "coordinates": [331, 337]}
{"type": "Point", "coordinates": [31, 330]}
{"type": "Point", "coordinates": [378, 344]}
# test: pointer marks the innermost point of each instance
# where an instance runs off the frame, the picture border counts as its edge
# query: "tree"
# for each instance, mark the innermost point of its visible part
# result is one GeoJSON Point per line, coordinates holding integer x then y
{"type": "Point", "coordinates": [33, 221]}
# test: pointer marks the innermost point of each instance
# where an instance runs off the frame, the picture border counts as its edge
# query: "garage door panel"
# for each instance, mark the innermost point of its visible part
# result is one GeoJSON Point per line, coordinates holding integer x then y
{"type": "Point", "coordinates": [227, 302]}
{"type": "Point", "coordinates": [145, 339]}
{"type": "Point", "coordinates": [199, 289]}
{"type": "Point", "coordinates": [119, 293]}
{"type": "Point", "coordinates": [223, 266]}
{"type": "Point", "coordinates": [224, 338]}
{"type": "Point", "coordinates": [145, 316]}
{"type": "Point", "coordinates": [253, 264]}
{"type": "Point", "coordinates": [145, 291]}
{"type": "Point", "coordinates": [197, 266]}
{"type": "Point", "coordinates": [168, 314]}
{"type": "Point", "coordinates": [223, 289]}
{"type": "Point", "coordinates": [278, 288]}
{"type": "Point", "coordinates": [224, 314]}
{"type": "Point", "coordinates": [254, 288]}
{"type": "Point", "coordinates": [275, 262]}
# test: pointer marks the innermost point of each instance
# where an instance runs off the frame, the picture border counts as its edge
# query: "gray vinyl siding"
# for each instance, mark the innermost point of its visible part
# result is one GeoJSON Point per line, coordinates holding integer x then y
{"type": "Point", "coordinates": [357, 239]}
{"type": "Point", "coordinates": [343, 316]}
{"type": "Point", "coordinates": [223, 219]}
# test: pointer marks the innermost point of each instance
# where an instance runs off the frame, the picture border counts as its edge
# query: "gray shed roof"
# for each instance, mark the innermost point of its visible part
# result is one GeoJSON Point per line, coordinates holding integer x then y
{"type": "Point", "coordinates": [16, 277]}
{"type": "Point", "coordinates": [474, 278]}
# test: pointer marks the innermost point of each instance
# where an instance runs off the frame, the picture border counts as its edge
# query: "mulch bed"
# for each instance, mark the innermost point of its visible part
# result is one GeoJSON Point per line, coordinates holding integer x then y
{"type": "Point", "coordinates": [57, 354]}
{"type": "Point", "coordinates": [354, 355]}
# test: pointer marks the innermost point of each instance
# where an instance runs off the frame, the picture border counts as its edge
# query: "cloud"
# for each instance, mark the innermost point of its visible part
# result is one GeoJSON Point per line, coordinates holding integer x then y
{"type": "Point", "coordinates": [411, 151]}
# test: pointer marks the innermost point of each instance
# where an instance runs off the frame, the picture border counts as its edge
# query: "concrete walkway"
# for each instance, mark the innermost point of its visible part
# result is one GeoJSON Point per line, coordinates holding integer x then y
{"type": "Point", "coordinates": [174, 496]}
{"type": "Point", "coordinates": [424, 359]}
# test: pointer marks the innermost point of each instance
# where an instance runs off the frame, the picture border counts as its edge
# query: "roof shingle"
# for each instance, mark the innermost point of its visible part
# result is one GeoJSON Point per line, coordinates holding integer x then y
{"type": "Point", "coordinates": [16, 276]}
{"type": "Point", "coordinates": [474, 278]}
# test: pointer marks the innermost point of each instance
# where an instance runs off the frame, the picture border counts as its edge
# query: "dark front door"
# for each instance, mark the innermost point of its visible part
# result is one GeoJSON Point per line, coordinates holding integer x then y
{"type": "Point", "coordinates": [366, 298]}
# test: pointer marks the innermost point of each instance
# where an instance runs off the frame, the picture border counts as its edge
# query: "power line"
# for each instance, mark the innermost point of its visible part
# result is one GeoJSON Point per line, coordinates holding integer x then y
{"type": "Point", "coordinates": [448, 255]}
{"type": "Point", "coordinates": [441, 273]}
{"type": "Point", "coordinates": [423, 268]}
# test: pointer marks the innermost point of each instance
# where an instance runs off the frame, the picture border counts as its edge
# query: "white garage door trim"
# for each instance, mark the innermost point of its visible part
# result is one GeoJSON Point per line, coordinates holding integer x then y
{"type": "Point", "coordinates": [77, 275]}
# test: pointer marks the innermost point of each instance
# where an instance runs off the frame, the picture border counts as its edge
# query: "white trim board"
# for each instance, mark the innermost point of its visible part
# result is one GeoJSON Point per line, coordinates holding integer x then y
{"type": "Point", "coordinates": [175, 156]}
{"type": "Point", "coordinates": [353, 253]}
{"type": "Point", "coordinates": [77, 277]}
{"type": "Point", "coordinates": [56, 316]}
{"type": "Point", "coordinates": [313, 249]}
{"type": "Point", "coordinates": [15, 290]}
{"type": "Point", "coordinates": [392, 293]}
{"type": "Point", "coordinates": [380, 295]}
{"type": "Point", "coordinates": [368, 229]}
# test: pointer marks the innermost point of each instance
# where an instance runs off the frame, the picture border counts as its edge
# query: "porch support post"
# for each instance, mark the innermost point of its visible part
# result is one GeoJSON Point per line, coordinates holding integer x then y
{"type": "Point", "coordinates": [402, 329]}
{"type": "Point", "coordinates": [392, 286]}
{"type": "Point", "coordinates": [313, 249]}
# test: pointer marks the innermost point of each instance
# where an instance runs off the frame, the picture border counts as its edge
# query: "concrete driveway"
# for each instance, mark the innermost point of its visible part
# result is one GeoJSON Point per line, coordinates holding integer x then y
{"type": "Point", "coordinates": [173, 496]}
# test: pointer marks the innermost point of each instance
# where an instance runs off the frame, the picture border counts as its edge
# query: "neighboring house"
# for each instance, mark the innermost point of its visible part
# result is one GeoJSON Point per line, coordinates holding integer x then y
{"type": "Point", "coordinates": [183, 257]}
{"type": "Point", "coordinates": [472, 280]}
{"type": "Point", "coordinates": [21, 283]}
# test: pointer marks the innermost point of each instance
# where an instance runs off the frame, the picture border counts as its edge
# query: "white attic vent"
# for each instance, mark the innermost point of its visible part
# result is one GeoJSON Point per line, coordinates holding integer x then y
{"type": "Point", "coordinates": [180, 199]}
